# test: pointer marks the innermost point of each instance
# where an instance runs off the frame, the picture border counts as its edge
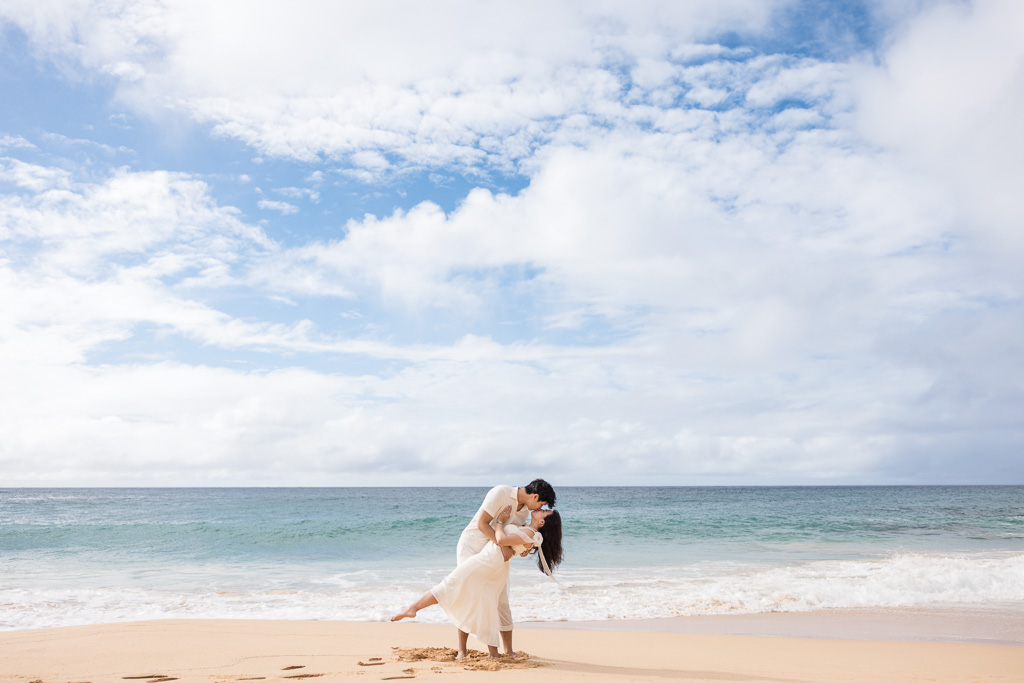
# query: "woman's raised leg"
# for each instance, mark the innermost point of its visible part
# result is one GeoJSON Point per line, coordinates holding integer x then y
{"type": "Point", "coordinates": [426, 600]}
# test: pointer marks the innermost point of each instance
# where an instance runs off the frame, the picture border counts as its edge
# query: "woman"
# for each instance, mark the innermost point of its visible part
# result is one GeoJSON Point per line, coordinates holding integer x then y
{"type": "Point", "coordinates": [469, 595]}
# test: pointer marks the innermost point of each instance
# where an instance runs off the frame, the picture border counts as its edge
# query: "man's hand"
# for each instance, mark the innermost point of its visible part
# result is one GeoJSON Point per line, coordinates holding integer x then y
{"type": "Point", "coordinates": [507, 552]}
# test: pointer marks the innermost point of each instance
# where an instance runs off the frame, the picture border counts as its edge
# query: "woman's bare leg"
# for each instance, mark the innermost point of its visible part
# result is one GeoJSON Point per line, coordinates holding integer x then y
{"type": "Point", "coordinates": [426, 600]}
{"type": "Point", "coordinates": [463, 650]}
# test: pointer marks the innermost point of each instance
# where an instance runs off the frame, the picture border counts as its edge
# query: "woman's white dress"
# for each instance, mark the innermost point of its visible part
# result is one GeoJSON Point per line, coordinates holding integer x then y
{"type": "Point", "coordinates": [469, 595]}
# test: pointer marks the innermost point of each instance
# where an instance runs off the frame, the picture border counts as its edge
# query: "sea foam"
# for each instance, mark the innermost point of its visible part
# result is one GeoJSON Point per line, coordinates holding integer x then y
{"type": "Point", "coordinates": [900, 580]}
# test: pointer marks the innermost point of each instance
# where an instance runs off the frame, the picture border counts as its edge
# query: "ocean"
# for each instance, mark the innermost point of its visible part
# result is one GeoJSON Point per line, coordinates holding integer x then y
{"type": "Point", "coordinates": [88, 556]}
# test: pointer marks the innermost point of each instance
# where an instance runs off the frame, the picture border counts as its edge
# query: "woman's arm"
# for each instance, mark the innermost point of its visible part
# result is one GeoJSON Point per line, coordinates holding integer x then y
{"type": "Point", "coordinates": [501, 538]}
{"type": "Point", "coordinates": [484, 523]}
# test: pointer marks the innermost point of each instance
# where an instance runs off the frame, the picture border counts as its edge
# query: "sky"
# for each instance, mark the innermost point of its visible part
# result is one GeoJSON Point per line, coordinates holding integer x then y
{"type": "Point", "coordinates": [721, 242]}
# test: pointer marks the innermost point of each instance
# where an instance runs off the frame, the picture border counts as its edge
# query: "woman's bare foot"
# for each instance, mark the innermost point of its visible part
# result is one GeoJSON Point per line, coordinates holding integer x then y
{"type": "Point", "coordinates": [407, 614]}
{"type": "Point", "coordinates": [461, 654]}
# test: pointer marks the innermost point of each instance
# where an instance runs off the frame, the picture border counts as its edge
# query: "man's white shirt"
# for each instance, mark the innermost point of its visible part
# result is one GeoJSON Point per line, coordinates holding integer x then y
{"type": "Point", "coordinates": [472, 539]}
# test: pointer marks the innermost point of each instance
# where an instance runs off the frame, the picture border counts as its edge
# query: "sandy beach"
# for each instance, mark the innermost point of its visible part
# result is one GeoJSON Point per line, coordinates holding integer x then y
{"type": "Point", "coordinates": [248, 650]}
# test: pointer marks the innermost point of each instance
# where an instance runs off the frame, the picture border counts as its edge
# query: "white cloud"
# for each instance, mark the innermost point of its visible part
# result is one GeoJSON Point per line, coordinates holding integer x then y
{"type": "Point", "coordinates": [284, 207]}
{"type": "Point", "coordinates": [435, 419]}
{"type": "Point", "coordinates": [15, 142]}
{"type": "Point", "coordinates": [32, 176]}
{"type": "Point", "coordinates": [64, 141]}
{"type": "Point", "coordinates": [455, 83]}
{"type": "Point", "coordinates": [809, 80]}
{"type": "Point", "coordinates": [724, 294]}
{"type": "Point", "coordinates": [299, 193]}
{"type": "Point", "coordinates": [85, 263]}
{"type": "Point", "coordinates": [79, 226]}
{"type": "Point", "coordinates": [950, 96]}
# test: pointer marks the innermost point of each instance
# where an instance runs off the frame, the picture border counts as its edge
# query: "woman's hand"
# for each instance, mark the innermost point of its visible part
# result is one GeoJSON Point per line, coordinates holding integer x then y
{"type": "Point", "coordinates": [505, 514]}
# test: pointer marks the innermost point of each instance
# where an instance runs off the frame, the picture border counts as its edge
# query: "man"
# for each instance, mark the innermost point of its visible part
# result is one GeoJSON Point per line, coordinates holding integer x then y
{"type": "Point", "coordinates": [479, 532]}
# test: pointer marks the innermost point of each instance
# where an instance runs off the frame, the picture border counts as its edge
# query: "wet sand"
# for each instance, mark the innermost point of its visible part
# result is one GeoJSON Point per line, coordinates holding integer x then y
{"type": "Point", "coordinates": [993, 625]}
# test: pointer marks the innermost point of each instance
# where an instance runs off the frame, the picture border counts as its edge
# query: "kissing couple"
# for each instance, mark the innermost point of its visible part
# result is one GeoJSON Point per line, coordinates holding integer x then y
{"type": "Point", "coordinates": [475, 594]}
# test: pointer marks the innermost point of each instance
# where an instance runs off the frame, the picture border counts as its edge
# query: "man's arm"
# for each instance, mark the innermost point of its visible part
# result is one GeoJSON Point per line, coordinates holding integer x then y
{"type": "Point", "coordinates": [484, 525]}
{"type": "Point", "coordinates": [494, 503]}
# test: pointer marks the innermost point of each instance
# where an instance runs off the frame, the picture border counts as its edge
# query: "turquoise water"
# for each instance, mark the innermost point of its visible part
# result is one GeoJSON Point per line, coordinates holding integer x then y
{"type": "Point", "coordinates": [72, 556]}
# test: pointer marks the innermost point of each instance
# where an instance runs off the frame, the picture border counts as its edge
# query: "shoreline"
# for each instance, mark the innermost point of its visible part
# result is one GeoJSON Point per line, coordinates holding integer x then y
{"type": "Point", "coordinates": [998, 624]}
{"type": "Point", "coordinates": [207, 650]}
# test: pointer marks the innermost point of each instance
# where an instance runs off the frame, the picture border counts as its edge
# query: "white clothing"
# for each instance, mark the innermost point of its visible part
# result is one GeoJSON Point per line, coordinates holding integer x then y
{"type": "Point", "coordinates": [473, 541]}
{"type": "Point", "coordinates": [469, 594]}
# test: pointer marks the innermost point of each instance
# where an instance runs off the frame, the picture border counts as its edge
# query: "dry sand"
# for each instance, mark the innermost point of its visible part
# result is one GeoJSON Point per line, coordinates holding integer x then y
{"type": "Point", "coordinates": [210, 651]}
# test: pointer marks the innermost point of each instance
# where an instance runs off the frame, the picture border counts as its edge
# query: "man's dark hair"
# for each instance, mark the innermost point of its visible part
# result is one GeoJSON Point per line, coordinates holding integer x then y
{"type": "Point", "coordinates": [543, 490]}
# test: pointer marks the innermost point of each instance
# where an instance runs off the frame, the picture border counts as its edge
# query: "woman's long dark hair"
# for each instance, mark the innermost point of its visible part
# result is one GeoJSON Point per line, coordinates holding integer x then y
{"type": "Point", "coordinates": [552, 545]}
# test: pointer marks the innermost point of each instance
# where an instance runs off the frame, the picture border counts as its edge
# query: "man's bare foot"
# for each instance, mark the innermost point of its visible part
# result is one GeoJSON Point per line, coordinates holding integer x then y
{"type": "Point", "coordinates": [460, 655]}
{"type": "Point", "coordinates": [407, 614]}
